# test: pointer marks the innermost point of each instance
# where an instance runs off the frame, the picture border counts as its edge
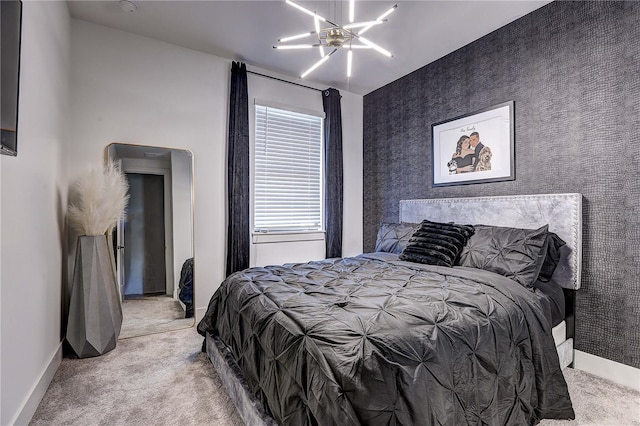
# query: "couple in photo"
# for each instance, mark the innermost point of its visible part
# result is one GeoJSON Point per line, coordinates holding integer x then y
{"type": "Point", "coordinates": [471, 155]}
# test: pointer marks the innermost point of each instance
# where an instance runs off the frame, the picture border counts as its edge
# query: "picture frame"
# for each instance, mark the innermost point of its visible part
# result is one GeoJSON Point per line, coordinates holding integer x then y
{"type": "Point", "coordinates": [11, 36]}
{"type": "Point", "coordinates": [487, 153]}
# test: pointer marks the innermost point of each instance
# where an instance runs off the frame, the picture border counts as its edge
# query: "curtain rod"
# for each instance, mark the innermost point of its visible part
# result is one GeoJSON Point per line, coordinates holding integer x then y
{"type": "Point", "coordinates": [284, 81]}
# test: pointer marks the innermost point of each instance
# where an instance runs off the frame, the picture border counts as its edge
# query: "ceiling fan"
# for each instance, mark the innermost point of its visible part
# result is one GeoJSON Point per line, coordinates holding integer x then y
{"type": "Point", "coordinates": [333, 37]}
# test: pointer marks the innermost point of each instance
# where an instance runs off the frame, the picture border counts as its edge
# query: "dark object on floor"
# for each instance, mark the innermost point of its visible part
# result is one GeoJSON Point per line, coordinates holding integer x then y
{"type": "Point", "coordinates": [186, 287]}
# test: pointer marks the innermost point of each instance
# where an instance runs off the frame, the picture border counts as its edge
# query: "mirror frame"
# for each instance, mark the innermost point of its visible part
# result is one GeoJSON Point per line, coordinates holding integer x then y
{"type": "Point", "coordinates": [170, 264]}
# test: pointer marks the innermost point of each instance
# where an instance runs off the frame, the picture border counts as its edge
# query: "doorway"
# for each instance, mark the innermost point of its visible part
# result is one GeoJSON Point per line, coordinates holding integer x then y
{"type": "Point", "coordinates": [144, 259]}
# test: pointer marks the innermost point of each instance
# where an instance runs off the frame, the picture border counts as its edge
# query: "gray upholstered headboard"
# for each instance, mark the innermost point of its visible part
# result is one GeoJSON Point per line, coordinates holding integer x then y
{"type": "Point", "coordinates": [562, 212]}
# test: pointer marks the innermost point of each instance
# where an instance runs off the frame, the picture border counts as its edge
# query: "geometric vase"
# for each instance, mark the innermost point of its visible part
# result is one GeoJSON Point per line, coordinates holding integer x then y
{"type": "Point", "coordinates": [95, 313]}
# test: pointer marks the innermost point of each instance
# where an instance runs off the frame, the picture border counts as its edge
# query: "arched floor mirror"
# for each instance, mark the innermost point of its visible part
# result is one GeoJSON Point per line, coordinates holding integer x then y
{"type": "Point", "coordinates": [153, 244]}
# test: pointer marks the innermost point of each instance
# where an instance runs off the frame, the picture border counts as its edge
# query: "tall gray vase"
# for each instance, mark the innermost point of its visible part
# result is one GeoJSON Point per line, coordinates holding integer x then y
{"type": "Point", "coordinates": [95, 313]}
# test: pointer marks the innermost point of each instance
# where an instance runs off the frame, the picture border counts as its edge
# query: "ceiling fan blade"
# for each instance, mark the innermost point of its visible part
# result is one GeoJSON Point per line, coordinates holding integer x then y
{"type": "Point", "coordinates": [380, 18]}
{"type": "Point", "coordinates": [295, 46]}
{"type": "Point", "coordinates": [317, 64]}
{"type": "Point", "coordinates": [364, 24]}
{"type": "Point", "coordinates": [305, 10]}
{"type": "Point", "coordinates": [387, 13]}
{"type": "Point", "coordinates": [349, 62]}
{"type": "Point", "coordinates": [375, 47]}
{"type": "Point", "coordinates": [295, 37]}
{"type": "Point", "coordinates": [352, 10]}
{"type": "Point", "coordinates": [316, 22]}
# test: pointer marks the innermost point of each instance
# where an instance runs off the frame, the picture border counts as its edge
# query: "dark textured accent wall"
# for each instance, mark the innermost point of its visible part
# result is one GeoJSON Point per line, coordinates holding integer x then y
{"type": "Point", "coordinates": [573, 70]}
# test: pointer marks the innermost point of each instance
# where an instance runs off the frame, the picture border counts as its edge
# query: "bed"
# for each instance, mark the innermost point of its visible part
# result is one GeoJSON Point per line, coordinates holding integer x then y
{"type": "Point", "coordinates": [378, 339]}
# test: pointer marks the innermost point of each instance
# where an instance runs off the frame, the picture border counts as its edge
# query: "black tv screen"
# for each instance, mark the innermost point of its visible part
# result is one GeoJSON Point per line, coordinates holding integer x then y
{"type": "Point", "coordinates": [10, 33]}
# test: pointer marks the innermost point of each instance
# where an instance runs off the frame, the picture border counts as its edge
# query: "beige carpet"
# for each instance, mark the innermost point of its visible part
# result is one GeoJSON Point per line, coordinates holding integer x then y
{"type": "Point", "coordinates": [152, 314]}
{"type": "Point", "coordinates": [599, 402]}
{"type": "Point", "coordinates": [164, 379]}
{"type": "Point", "coordinates": [161, 379]}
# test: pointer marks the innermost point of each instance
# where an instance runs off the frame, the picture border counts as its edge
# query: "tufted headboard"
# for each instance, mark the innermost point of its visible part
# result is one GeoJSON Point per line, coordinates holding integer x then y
{"type": "Point", "coordinates": [562, 212]}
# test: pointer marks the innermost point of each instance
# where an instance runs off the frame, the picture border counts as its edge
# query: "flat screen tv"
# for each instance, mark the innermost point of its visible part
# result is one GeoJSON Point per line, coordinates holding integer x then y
{"type": "Point", "coordinates": [10, 34]}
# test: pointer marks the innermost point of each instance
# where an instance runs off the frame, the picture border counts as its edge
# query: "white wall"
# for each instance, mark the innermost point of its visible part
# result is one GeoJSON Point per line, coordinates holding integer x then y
{"type": "Point", "coordinates": [181, 192]}
{"type": "Point", "coordinates": [130, 89]}
{"type": "Point", "coordinates": [34, 198]}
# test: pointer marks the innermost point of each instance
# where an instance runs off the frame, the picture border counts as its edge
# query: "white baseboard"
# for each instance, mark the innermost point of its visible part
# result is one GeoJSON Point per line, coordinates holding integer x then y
{"type": "Point", "coordinates": [199, 313]}
{"type": "Point", "coordinates": [30, 405]}
{"type": "Point", "coordinates": [611, 370]}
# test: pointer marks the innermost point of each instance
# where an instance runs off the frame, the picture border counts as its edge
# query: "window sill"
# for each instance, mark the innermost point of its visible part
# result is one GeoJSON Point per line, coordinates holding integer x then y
{"type": "Point", "coordinates": [290, 237]}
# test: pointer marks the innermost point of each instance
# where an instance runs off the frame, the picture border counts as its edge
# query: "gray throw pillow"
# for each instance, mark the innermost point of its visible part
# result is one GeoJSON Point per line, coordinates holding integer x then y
{"type": "Point", "coordinates": [513, 252]}
{"type": "Point", "coordinates": [554, 244]}
{"type": "Point", "coordinates": [393, 237]}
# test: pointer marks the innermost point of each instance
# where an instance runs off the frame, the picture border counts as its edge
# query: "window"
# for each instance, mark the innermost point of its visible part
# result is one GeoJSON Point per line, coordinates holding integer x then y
{"type": "Point", "coordinates": [287, 171]}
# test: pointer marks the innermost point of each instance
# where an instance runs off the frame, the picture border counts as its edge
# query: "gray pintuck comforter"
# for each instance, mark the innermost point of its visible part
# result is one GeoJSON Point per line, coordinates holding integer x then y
{"type": "Point", "coordinates": [372, 340]}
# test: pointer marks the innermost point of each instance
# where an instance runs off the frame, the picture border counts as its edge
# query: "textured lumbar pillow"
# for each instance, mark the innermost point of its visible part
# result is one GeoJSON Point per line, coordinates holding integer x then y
{"type": "Point", "coordinates": [437, 243]}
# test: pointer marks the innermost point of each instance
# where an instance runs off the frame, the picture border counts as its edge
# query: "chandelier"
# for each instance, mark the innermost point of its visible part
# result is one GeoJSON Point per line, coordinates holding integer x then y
{"type": "Point", "coordinates": [330, 37]}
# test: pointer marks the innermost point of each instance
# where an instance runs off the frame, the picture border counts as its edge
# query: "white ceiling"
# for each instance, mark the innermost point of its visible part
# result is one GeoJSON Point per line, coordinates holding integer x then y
{"type": "Point", "coordinates": [417, 33]}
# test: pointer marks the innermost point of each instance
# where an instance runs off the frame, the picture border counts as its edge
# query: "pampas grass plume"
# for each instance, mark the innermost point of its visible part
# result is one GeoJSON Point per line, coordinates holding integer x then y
{"type": "Point", "coordinates": [101, 200]}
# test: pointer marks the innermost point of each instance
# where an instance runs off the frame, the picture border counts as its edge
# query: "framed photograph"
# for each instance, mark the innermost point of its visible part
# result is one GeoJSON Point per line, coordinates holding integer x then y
{"type": "Point", "coordinates": [474, 148]}
{"type": "Point", "coordinates": [10, 34]}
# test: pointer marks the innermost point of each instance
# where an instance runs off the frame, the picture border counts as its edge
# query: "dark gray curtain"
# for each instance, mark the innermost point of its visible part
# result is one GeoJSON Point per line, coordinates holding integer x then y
{"type": "Point", "coordinates": [238, 171]}
{"type": "Point", "coordinates": [333, 172]}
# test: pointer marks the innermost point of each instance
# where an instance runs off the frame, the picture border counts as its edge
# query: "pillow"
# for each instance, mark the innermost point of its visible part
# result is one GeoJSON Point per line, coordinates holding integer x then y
{"type": "Point", "coordinates": [551, 260]}
{"type": "Point", "coordinates": [393, 237]}
{"type": "Point", "coordinates": [513, 252]}
{"type": "Point", "coordinates": [437, 243]}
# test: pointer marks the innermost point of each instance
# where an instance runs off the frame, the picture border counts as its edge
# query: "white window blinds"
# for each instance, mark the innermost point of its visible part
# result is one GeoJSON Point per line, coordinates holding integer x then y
{"type": "Point", "coordinates": [288, 171]}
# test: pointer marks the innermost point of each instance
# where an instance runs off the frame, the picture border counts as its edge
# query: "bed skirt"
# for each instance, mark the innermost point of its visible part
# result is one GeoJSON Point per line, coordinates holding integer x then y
{"type": "Point", "coordinates": [250, 409]}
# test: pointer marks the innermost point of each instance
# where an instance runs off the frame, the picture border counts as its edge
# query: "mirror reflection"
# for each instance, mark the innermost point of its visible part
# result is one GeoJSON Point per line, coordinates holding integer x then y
{"type": "Point", "coordinates": [153, 244]}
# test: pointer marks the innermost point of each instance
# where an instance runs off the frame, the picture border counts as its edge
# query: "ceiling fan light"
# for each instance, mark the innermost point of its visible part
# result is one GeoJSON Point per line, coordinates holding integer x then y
{"type": "Point", "coordinates": [380, 18]}
{"type": "Point", "coordinates": [305, 10]}
{"type": "Point", "coordinates": [335, 37]}
{"type": "Point", "coordinates": [363, 24]}
{"type": "Point", "coordinates": [387, 13]}
{"type": "Point", "coordinates": [316, 65]}
{"type": "Point", "coordinates": [352, 10]}
{"type": "Point", "coordinates": [293, 46]}
{"type": "Point", "coordinates": [365, 29]}
{"type": "Point", "coordinates": [295, 37]}
{"type": "Point", "coordinates": [375, 47]}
